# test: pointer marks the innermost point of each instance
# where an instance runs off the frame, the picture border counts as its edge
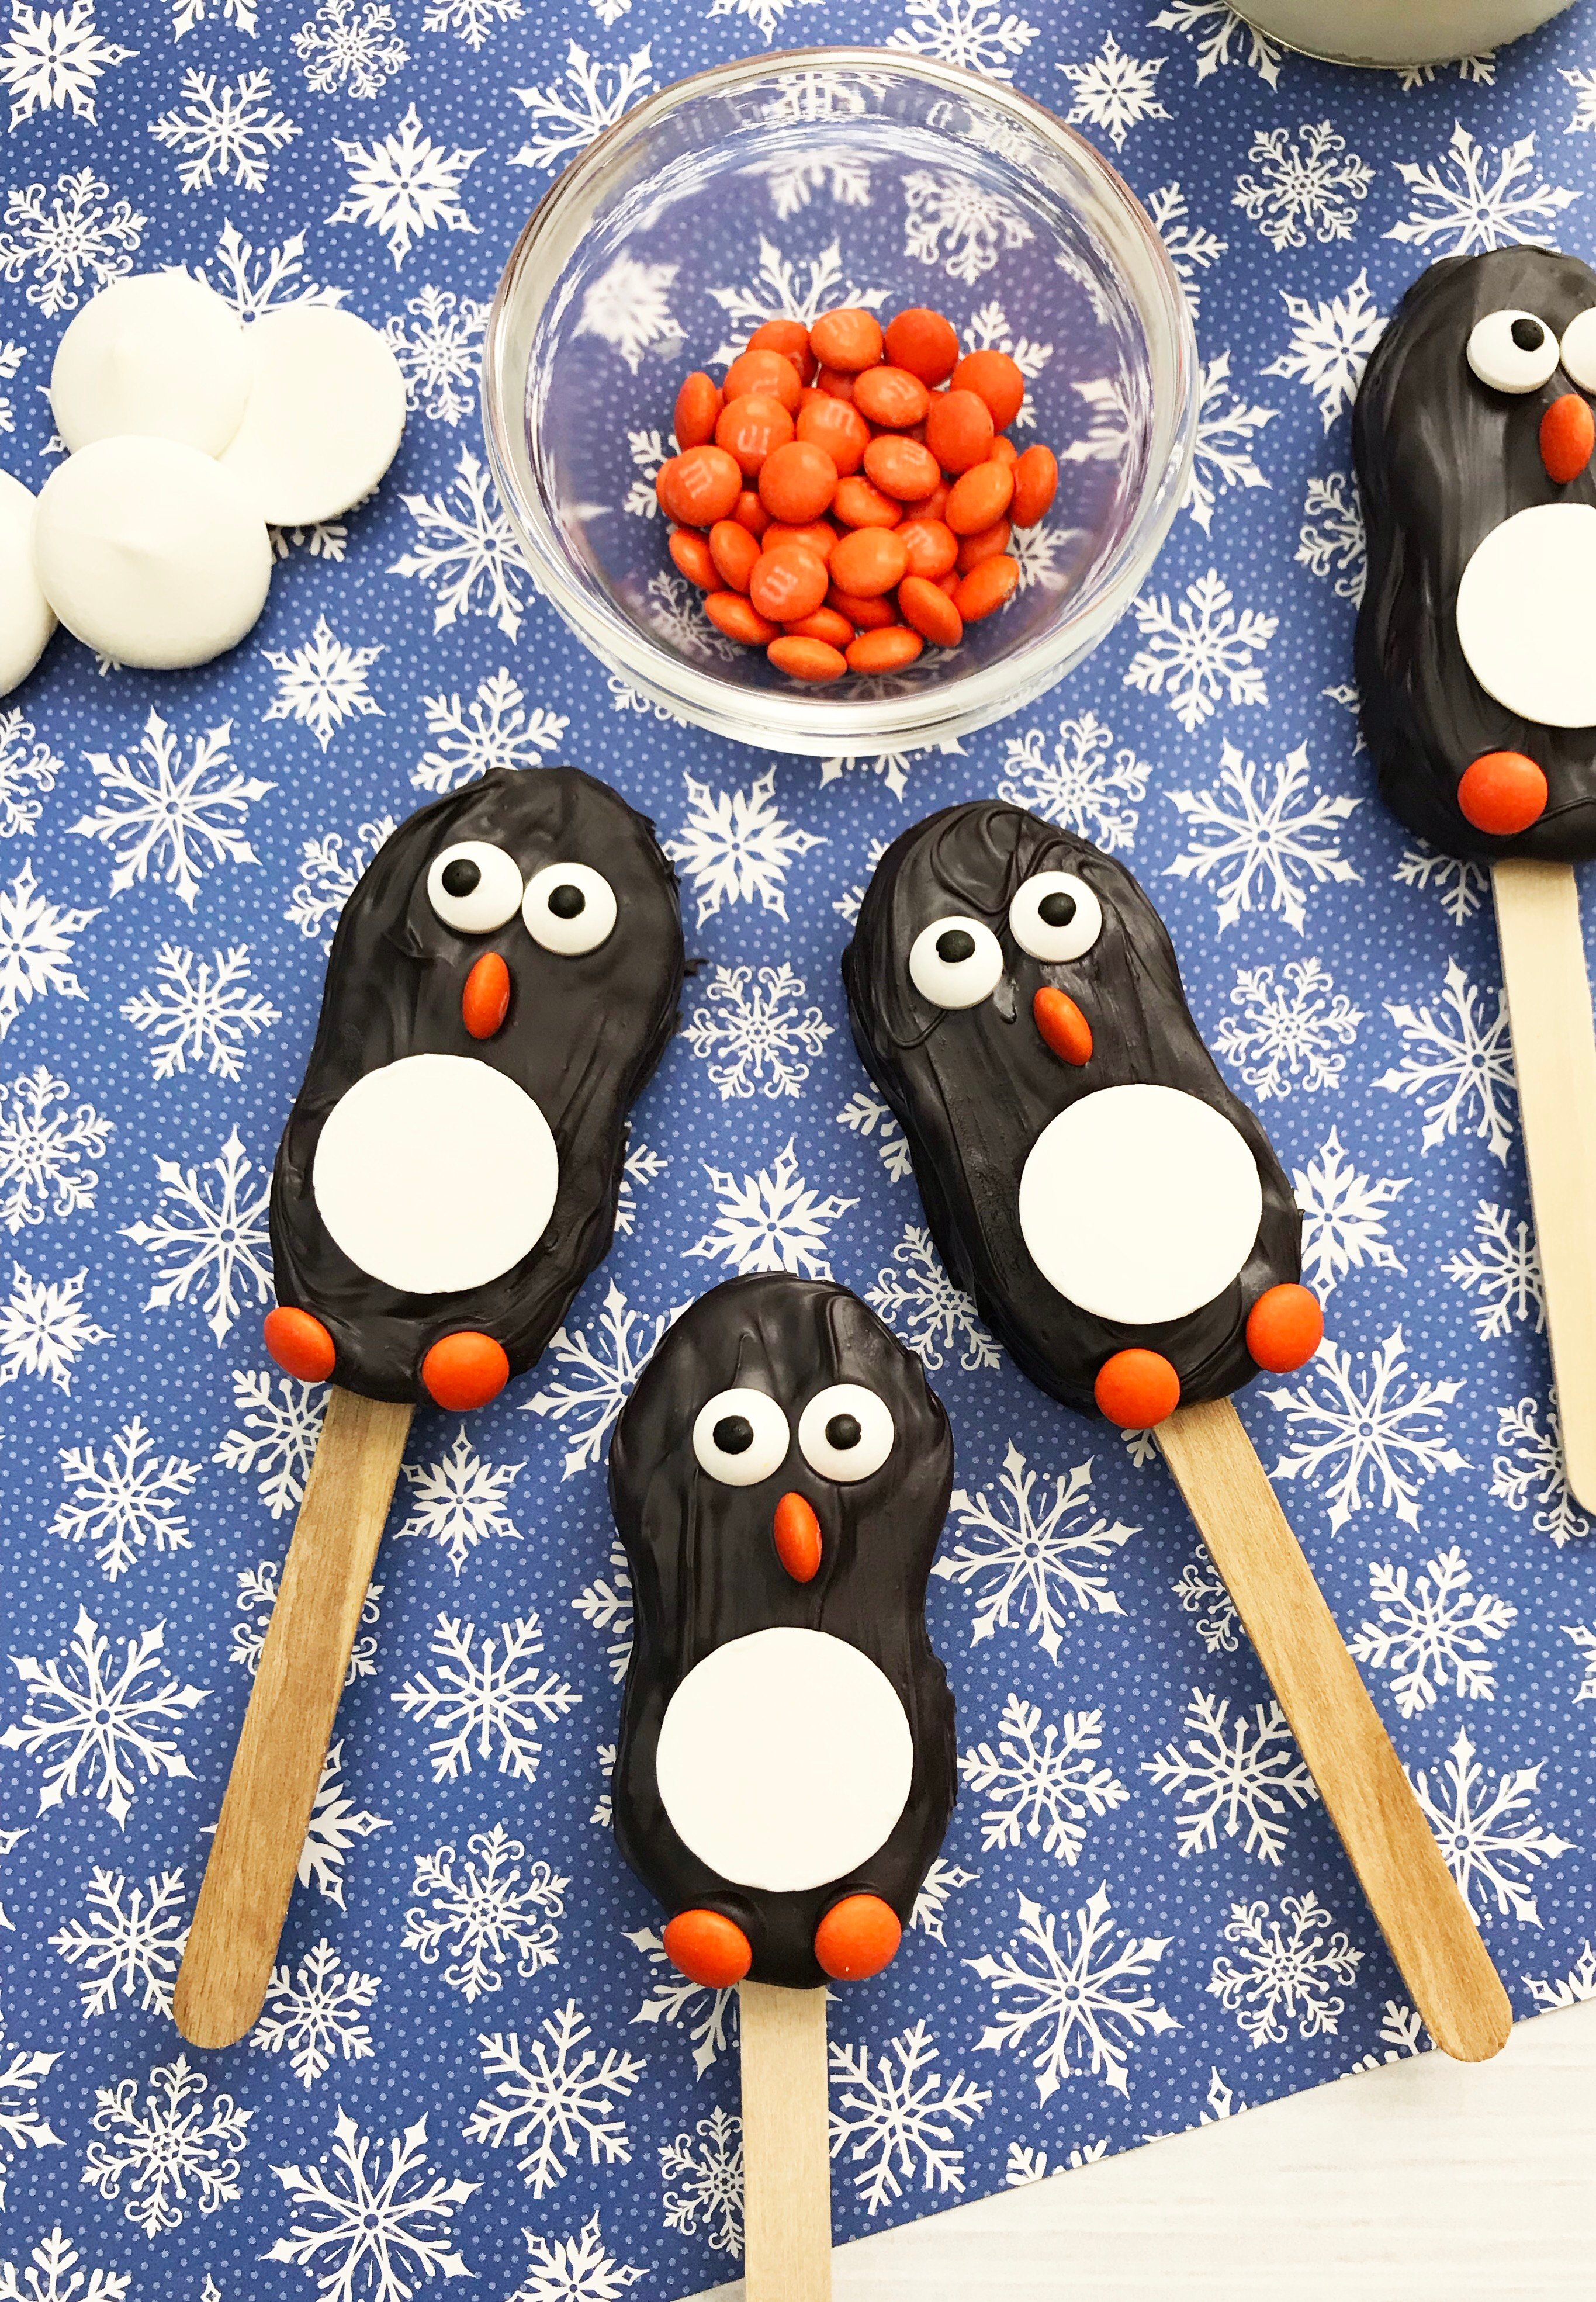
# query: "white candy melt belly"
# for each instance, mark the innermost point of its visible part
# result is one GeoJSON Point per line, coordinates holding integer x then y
{"type": "Point", "coordinates": [1526, 609]}
{"type": "Point", "coordinates": [1140, 1202]}
{"type": "Point", "coordinates": [785, 1760]}
{"type": "Point", "coordinates": [436, 1173]}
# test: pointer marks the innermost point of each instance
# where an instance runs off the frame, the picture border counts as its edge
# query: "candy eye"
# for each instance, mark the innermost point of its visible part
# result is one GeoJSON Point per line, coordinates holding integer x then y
{"type": "Point", "coordinates": [1579, 349]}
{"type": "Point", "coordinates": [740, 1437]}
{"type": "Point", "coordinates": [845, 1432]}
{"type": "Point", "coordinates": [1512, 352]}
{"type": "Point", "coordinates": [473, 887]}
{"type": "Point", "coordinates": [569, 908]}
{"type": "Point", "coordinates": [1055, 916]}
{"type": "Point", "coordinates": [955, 963]}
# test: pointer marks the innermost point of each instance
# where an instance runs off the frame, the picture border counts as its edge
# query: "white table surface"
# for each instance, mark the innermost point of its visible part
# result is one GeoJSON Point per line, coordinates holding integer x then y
{"type": "Point", "coordinates": [1420, 2181]}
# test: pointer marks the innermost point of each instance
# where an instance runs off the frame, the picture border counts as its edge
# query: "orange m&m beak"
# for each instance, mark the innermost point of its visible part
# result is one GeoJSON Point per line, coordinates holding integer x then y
{"type": "Point", "coordinates": [1063, 1025]}
{"type": "Point", "coordinates": [797, 1534]}
{"type": "Point", "coordinates": [485, 1001]}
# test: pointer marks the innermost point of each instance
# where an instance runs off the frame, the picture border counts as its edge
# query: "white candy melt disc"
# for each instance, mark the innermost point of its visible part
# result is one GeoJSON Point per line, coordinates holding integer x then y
{"type": "Point", "coordinates": [26, 620]}
{"type": "Point", "coordinates": [436, 1173]}
{"type": "Point", "coordinates": [161, 354]}
{"type": "Point", "coordinates": [1140, 1202]}
{"type": "Point", "coordinates": [785, 1760]}
{"type": "Point", "coordinates": [326, 414]}
{"type": "Point", "coordinates": [150, 552]}
{"type": "Point", "coordinates": [1526, 607]}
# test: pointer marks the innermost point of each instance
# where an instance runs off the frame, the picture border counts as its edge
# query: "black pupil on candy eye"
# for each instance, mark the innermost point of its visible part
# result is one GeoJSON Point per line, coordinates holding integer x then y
{"type": "Point", "coordinates": [1056, 910]}
{"type": "Point", "coordinates": [956, 944]}
{"type": "Point", "coordinates": [565, 901]}
{"type": "Point", "coordinates": [460, 877]}
{"type": "Point", "coordinates": [733, 1434]}
{"type": "Point", "coordinates": [842, 1430]}
{"type": "Point", "coordinates": [1529, 335]}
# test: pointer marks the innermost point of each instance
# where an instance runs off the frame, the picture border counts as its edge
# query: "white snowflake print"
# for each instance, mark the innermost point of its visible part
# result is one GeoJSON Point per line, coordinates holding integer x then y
{"type": "Point", "coordinates": [199, 1011]}
{"type": "Point", "coordinates": [1330, 542]}
{"type": "Point", "coordinates": [35, 947]}
{"type": "Point", "coordinates": [374, 2219]}
{"type": "Point", "coordinates": [1331, 343]}
{"type": "Point", "coordinates": [1531, 1471]}
{"type": "Point", "coordinates": [13, 768]}
{"type": "Point", "coordinates": [439, 348]}
{"type": "Point", "coordinates": [177, 819]}
{"type": "Point", "coordinates": [278, 1423]}
{"type": "Point", "coordinates": [1286, 1971]}
{"type": "Point", "coordinates": [459, 1501]}
{"type": "Point", "coordinates": [1401, 2034]}
{"type": "Point", "coordinates": [322, 683]}
{"type": "Point", "coordinates": [650, 450]}
{"type": "Point", "coordinates": [1461, 883]}
{"type": "Point", "coordinates": [226, 131]}
{"type": "Point", "coordinates": [580, 2268]}
{"type": "Point", "coordinates": [941, 1881]}
{"type": "Point", "coordinates": [128, 1944]}
{"type": "Point", "coordinates": [350, 45]}
{"type": "Point", "coordinates": [208, 1238]}
{"type": "Point", "coordinates": [988, 329]}
{"type": "Point", "coordinates": [44, 1328]}
{"type": "Point", "coordinates": [1106, 439]}
{"type": "Point", "coordinates": [487, 1697]}
{"type": "Point", "coordinates": [173, 2146]}
{"type": "Point", "coordinates": [1035, 1550]}
{"type": "Point", "coordinates": [327, 876]}
{"type": "Point", "coordinates": [10, 1840]}
{"type": "Point", "coordinates": [123, 1500]}
{"type": "Point", "coordinates": [674, 608]}
{"type": "Point", "coordinates": [958, 225]}
{"type": "Point", "coordinates": [1287, 1034]}
{"type": "Point", "coordinates": [1388, 1429]}
{"type": "Point", "coordinates": [1435, 1635]}
{"type": "Point", "coordinates": [42, 1150]}
{"type": "Point", "coordinates": [1583, 1634]}
{"type": "Point", "coordinates": [467, 552]}
{"type": "Point", "coordinates": [1307, 184]}
{"type": "Point", "coordinates": [1246, 1775]}
{"type": "Point", "coordinates": [915, 1295]}
{"type": "Point", "coordinates": [1454, 1064]}
{"type": "Point", "coordinates": [865, 1114]}
{"type": "Point", "coordinates": [316, 2014]}
{"type": "Point", "coordinates": [1080, 1996]}
{"type": "Point", "coordinates": [22, 2126]}
{"type": "Point", "coordinates": [27, 767]}
{"type": "Point", "coordinates": [628, 307]}
{"type": "Point", "coordinates": [752, 1030]}
{"type": "Point", "coordinates": [1223, 458]}
{"type": "Point", "coordinates": [808, 96]}
{"type": "Point", "coordinates": [475, 21]}
{"type": "Point", "coordinates": [1202, 1593]}
{"type": "Point", "coordinates": [484, 1912]}
{"type": "Point", "coordinates": [403, 185]}
{"type": "Point", "coordinates": [565, 121]}
{"type": "Point", "coordinates": [788, 287]}
{"type": "Point", "coordinates": [1114, 92]}
{"type": "Point", "coordinates": [1200, 652]}
{"type": "Point", "coordinates": [640, 1168]}
{"type": "Point", "coordinates": [710, 2016]}
{"type": "Point", "coordinates": [1218, 29]}
{"type": "Point", "coordinates": [53, 60]}
{"type": "Point", "coordinates": [324, 538]}
{"type": "Point", "coordinates": [900, 2120]}
{"type": "Point", "coordinates": [95, 1724]}
{"type": "Point", "coordinates": [605, 1605]}
{"type": "Point", "coordinates": [736, 848]}
{"type": "Point", "coordinates": [1460, 208]}
{"type": "Point", "coordinates": [255, 280]}
{"type": "Point", "coordinates": [974, 33]}
{"type": "Point", "coordinates": [254, 1601]}
{"type": "Point", "coordinates": [553, 2098]}
{"type": "Point", "coordinates": [1575, 1988]}
{"type": "Point", "coordinates": [494, 730]}
{"type": "Point", "coordinates": [764, 15]}
{"type": "Point", "coordinates": [706, 2165]}
{"type": "Point", "coordinates": [186, 13]}
{"type": "Point", "coordinates": [1263, 829]}
{"type": "Point", "coordinates": [1078, 784]}
{"type": "Point", "coordinates": [336, 1822]}
{"type": "Point", "coordinates": [1191, 248]}
{"type": "Point", "coordinates": [1501, 1274]}
{"type": "Point", "coordinates": [1343, 1219]}
{"type": "Point", "coordinates": [68, 242]}
{"type": "Point", "coordinates": [597, 1368]}
{"type": "Point", "coordinates": [55, 2271]}
{"type": "Point", "coordinates": [1583, 115]}
{"type": "Point", "coordinates": [1488, 1830]}
{"type": "Point", "coordinates": [1042, 1782]}
{"type": "Point", "coordinates": [771, 1221]}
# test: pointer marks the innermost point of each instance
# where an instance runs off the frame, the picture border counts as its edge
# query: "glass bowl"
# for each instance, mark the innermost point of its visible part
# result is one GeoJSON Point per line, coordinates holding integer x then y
{"type": "Point", "coordinates": [788, 184]}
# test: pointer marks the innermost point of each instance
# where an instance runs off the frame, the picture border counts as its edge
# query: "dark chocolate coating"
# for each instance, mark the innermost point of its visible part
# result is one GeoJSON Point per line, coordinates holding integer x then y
{"type": "Point", "coordinates": [705, 1571]}
{"type": "Point", "coordinates": [1442, 461]}
{"type": "Point", "coordinates": [582, 1037]}
{"type": "Point", "coordinates": [974, 1087]}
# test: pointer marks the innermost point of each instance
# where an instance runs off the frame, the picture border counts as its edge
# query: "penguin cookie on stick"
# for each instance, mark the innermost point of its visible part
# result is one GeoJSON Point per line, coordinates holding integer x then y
{"type": "Point", "coordinates": [1472, 436]}
{"type": "Point", "coordinates": [1126, 1230]}
{"type": "Point", "coordinates": [503, 982]}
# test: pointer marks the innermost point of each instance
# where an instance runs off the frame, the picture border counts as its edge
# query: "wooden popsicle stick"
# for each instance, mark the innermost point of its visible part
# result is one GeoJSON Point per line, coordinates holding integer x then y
{"type": "Point", "coordinates": [244, 1897]}
{"type": "Point", "coordinates": [1423, 1917]}
{"type": "Point", "coordinates": [1554, 1055]}
{"type": "Point", "coordinates": [786, 2146]}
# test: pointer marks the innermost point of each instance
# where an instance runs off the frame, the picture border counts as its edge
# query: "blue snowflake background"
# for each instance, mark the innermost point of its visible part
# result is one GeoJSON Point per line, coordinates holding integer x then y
{"type": "Point", "coordinates": [1417, 1448]}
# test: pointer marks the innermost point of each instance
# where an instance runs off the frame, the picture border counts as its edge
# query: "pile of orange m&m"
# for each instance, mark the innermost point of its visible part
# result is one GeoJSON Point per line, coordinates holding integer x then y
{"type": "Point", "coordinates": [849, 492]}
